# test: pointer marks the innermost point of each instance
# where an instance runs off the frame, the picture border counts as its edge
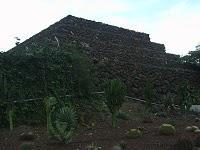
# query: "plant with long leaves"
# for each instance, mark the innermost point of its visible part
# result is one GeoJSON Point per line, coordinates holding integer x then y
{"type": "Point", "coordinates": [185, 98]}
{"type": "Point", "coordinates": [63, 124]}
{"type": "Point", "coordinates": [115, 92]}
{"type": "Point", "coordinates": [61, 120]}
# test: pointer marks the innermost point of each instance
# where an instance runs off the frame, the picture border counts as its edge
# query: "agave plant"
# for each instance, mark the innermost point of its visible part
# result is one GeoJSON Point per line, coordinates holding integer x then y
{"type": "Point", "coordinates": [115, 92]}
{"type": "Point", "coordinates": [61, 121]}
{"type": "Point", "coordinates": [63, 124]}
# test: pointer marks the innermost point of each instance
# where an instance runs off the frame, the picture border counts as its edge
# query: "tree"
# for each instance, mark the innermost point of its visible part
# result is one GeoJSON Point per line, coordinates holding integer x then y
{"type": "Point", "coordinates": [193, 57]}
{"type": "Point", "coordinates": [115, 92]}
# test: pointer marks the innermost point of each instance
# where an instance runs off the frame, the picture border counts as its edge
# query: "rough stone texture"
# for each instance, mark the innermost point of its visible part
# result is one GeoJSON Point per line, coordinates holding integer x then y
{"type": "Point", "coordinates": [119, 53]}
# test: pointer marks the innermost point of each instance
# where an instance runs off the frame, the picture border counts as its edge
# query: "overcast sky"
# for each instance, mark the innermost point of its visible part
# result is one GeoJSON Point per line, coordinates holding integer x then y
{"type": "Point", "coordinates": [175, 23]}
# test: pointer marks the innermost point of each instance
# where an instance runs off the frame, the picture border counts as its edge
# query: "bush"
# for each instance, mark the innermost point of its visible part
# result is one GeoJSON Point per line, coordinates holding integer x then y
{"type": "Point", "coordinates": [115, 92]}
{"type": "Point", "coordinates": [183, 144]}
{"type": "Point", "coordinates": [63, 124]}
{"type": "Point", "coordinates": [134, 133]}
{"type": "Point", "coordinates": [167, 129]}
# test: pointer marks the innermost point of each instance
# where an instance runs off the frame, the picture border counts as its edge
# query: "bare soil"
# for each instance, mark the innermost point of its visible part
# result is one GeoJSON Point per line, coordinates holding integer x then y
{"type": "Point", "coordinates": [104, 136]}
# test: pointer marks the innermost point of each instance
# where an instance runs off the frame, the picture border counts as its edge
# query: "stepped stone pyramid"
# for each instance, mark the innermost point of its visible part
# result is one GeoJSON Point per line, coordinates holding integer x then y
{"type": "Point", "coordinates": [119, 53]}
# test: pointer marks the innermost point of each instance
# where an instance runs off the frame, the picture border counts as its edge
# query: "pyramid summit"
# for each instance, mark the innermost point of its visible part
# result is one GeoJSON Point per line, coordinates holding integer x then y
{"type": "Point", "coordinates": [117, 53]}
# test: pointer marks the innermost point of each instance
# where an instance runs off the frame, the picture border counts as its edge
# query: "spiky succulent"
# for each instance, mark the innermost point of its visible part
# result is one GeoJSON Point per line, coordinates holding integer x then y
{"type": "Point", "coordinates": [114, 92]}
{"type": "Point", "coordinates": [63, 124]}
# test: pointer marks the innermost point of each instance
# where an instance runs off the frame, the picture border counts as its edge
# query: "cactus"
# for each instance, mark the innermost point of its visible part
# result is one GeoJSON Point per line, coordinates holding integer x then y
{"type": "Point", "coordinates": [134, 133]}
{"type": "Point", "coordinates": [115, 92]}
{"type": "Point", "coordinates": [167, 129]}
{"type": "Point", "coordinates": [183, 144]}
{"type": "Point", "coordinates": [63, 124]}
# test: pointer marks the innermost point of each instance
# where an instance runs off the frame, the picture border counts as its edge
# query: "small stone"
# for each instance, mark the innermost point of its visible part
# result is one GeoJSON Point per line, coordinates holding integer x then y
{"type": "Point", "coordinates": [189, 129]}
{"type": "Point", "coordinates": [197, 119]}
{"type": "Point", "coordinates": [195, 128]}
{"type": "Point", "coordinates": [197, 131]}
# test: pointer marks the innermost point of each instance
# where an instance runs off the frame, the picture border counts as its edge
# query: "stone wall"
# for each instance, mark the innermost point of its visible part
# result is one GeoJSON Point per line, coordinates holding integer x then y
{"type": "Point", "coordinates": [120, 53]}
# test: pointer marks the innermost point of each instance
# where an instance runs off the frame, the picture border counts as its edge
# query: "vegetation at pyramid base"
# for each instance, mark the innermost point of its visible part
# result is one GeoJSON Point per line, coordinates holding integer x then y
{"type": "Point", "coordinates": [42, 73]}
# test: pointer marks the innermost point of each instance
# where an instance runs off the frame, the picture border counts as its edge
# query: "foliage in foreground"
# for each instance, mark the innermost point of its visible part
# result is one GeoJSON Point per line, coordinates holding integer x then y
{"type": "Point", "coordinates": [167, 129]}
{"type": "Point", "coordinates": [115, 92]}
{"type": "Point", "coordinates": [134, 133]}
{"type": "Point", "coordinates": [41, 73]}
{"type": "Point", "coordinates": [61, 121]}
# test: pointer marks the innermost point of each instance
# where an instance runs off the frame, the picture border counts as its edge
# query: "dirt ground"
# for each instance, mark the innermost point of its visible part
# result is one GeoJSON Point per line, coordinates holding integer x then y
{"type": "Point", "coordinates": [104, 136]}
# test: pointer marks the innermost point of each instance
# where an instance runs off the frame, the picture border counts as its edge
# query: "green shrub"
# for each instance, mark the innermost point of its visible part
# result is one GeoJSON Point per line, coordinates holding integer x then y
{"type": "Point", "coordinates": [167, 129]}
{"type": "Point", "coordinates": [122, 115]}
{"type": "Point", "coordinates": [63, 123]}
{"type": "Point", "coordinates": [183, 144]}
{"type": "Point", "coordinates": [26, 146]}
{"type": "Point", "coordinates": [115, 92]}
{"type": "Point", "coordinates": [184, 98]}
{"type": "Point", "coordinates": [134, 133]}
